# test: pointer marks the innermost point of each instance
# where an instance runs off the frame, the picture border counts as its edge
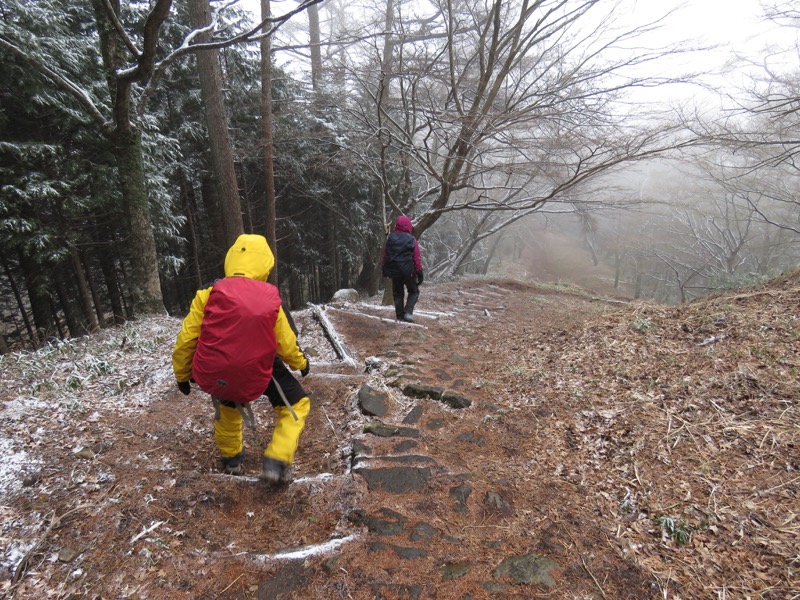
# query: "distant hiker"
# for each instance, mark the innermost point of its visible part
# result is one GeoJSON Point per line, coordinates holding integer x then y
{"type": "Point", "coordinates": [233, 344]}
{"type": "Point", "coordinates": [403, 264]}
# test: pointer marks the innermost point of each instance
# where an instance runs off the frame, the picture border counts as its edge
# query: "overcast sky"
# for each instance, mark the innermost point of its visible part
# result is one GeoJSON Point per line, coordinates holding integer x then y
{"type": "Point", "coordinates": [736, 23]}
{"type": "Point", "coordinates": [734, 26]}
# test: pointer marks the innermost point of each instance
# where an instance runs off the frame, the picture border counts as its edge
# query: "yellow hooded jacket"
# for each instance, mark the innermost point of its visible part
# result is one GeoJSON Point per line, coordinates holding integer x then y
{"type": "Point", "coordinates": [249, 257]}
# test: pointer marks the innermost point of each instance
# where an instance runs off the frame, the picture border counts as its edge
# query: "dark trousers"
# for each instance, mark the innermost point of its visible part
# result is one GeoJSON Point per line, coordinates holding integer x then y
{"type": "Point", "coordinates": [399, 286]}
{"type": "Point", "coordinates": [290, 386]}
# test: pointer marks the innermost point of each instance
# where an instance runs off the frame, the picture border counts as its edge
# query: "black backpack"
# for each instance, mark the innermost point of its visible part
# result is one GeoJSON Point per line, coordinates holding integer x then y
{"type": "Point", "coordinates": [399, 255]}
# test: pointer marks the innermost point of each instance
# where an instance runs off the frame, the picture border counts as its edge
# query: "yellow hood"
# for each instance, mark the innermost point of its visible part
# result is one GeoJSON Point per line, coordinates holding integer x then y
{"type": "Point", "coordinates": [250, 256]}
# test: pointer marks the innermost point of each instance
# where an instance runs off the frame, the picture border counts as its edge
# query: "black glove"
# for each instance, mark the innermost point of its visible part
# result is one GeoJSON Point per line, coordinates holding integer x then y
{"type": "Point", "coordinates": [304, 371]}
{"type": "Point", "coordinates": [420, 277]}
{"type": "Point", "coordinates": [184, 387]}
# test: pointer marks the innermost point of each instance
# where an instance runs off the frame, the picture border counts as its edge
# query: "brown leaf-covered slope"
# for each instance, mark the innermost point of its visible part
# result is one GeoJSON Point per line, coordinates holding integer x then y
{"type": "Point", "coordinates": [610, 450]}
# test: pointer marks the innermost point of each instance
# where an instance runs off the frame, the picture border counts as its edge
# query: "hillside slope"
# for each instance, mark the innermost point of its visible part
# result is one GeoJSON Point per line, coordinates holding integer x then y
{"type": "Point", "coordinates": [518, 441]}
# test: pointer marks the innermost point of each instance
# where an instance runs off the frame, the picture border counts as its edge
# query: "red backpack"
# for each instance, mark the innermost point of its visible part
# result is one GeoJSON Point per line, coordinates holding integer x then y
{"type": "Point", "coordinates": [236, 348]}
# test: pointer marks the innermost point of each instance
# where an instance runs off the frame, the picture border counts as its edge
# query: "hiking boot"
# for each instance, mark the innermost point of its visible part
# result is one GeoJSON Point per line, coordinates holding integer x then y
{"type": "Point", "coordinates": [408, 318]}
{"type": "Point", "coordinates": [275, 471]}
{"type": "Point", "coordinates": [232, 465]}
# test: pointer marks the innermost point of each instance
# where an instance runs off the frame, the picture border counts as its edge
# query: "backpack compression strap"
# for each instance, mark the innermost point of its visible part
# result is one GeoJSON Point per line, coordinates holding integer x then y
{"type": "Point", "coordinates": [244, 409]}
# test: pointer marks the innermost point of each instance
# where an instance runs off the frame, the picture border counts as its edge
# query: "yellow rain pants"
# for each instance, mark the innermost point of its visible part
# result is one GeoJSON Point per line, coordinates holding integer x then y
{"type": "Point", "coordinates": [285, 437]}
{"type": "Point", "coordinates": [228, 431]}
{"type": "Point", "coordinates": [287, 431]}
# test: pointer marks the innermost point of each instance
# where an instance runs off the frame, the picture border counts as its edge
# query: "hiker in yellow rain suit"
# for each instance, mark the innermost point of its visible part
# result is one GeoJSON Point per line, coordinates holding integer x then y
{"type": "Point", "coordinates": [233, 344]}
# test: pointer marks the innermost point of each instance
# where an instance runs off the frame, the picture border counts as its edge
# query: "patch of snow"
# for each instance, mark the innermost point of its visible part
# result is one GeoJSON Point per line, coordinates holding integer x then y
{"type": "Point", "coordinates": [13, 463]}
{"type": "Point", "coordinates": [337, 375]}
{"type": "Point", "coordinates": [312, 478]}
{"type": "Point", "coordinates": [13, 556]}
{"type": "Point", "coordinates": [118, 369]}
{"type": "Point", "coordinates": [308, 551]}
{"type": "Point", "coordinates": [22, 407]}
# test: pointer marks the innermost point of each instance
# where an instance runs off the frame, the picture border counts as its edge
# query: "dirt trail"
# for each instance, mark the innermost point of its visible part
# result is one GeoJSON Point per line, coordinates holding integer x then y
{"type": "Point", "coordinates": [507, 445]}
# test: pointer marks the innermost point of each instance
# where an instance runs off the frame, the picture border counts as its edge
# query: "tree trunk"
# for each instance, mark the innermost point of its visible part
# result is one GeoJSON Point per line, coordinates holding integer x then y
{"type": "Point", "coordinates": [388, 293]}
{"type": "Point", "coordinates": [126, 138]}
{"type": "Point", "coordinates": [75, 325]}
{"type": "Point", "coordinates": [39, 299]}
{"type": "Point", "coordinates": [97, 300]}
{"type": "Point", "coordinates": [346, 272]}
{"type": "Point", "coordinates": [383, 103]}
{"type": "Point", "coordinates": [330, 273]}
{"type": "Point", "coordinates": [54, 312]}
{"type": "Point", "coordinates": [106, 257]}
{"type": "Point", "coordinates": [292, 279]}
{"type": "Point", "coordinates": [270, 213]}
{"type": "Point", "coordinates": [145, 284]}
{"type": "Point", "coordinates": [123, 282]}
{"type": "Point", "coordinates": [490, 255]}
{"type": "Point", "coordinates": [247, 214]}
{"type": "Point", "coordinates": [83, 291]}
{"type": "Point", "coordinates": [34, 339]}
{"type": "Point", "coordinates": [369, 279]}
{"type": "Point", "coordinates": [314, 39]}
{"type": "Point", "coordinates": [191, 229]}
{"type": "Point", "coordinates": [211, 83]}
{"type": "Point", "coordinates": [213, 208]}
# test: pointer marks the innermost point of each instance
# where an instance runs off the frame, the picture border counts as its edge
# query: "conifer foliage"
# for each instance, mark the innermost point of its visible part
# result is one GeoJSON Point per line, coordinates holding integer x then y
{"type": "Point", "coordinates": [108, 206]}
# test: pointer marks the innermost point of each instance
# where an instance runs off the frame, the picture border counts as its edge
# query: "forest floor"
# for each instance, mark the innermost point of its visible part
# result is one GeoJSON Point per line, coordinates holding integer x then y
{"type": "Point", "coordinates": [517, 441]}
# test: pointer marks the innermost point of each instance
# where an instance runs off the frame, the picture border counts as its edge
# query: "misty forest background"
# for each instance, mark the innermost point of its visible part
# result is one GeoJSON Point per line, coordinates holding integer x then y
{"type": "Point", "coordinates": [138, 139]}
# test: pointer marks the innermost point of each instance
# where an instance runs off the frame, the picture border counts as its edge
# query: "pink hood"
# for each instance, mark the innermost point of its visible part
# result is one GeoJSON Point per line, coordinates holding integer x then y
{"type": "Point", "coordinates": [403, 224]}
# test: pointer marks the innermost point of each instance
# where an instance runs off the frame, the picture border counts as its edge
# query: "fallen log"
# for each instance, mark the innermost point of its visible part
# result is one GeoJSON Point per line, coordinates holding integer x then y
{"type": "Point", "coordinates": [333, 337]}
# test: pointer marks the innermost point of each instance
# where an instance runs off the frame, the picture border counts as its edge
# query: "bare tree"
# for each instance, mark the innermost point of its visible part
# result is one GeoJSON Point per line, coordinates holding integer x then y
{"type": "Point", "coordinates": [497, 108]}
{"type": "Point", "coordinates": [760, 126]}
{"type": "Point", "coordinates": [704, 231]}
{"type": "Point", "coordinates": [517, 98]}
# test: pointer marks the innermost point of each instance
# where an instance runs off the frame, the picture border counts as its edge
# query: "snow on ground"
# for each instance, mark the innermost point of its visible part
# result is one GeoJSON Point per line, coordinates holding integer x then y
{"type": "Point", "coordinates": [119, 369]}
{"type": "Point", "coordinates": [14, 460]}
